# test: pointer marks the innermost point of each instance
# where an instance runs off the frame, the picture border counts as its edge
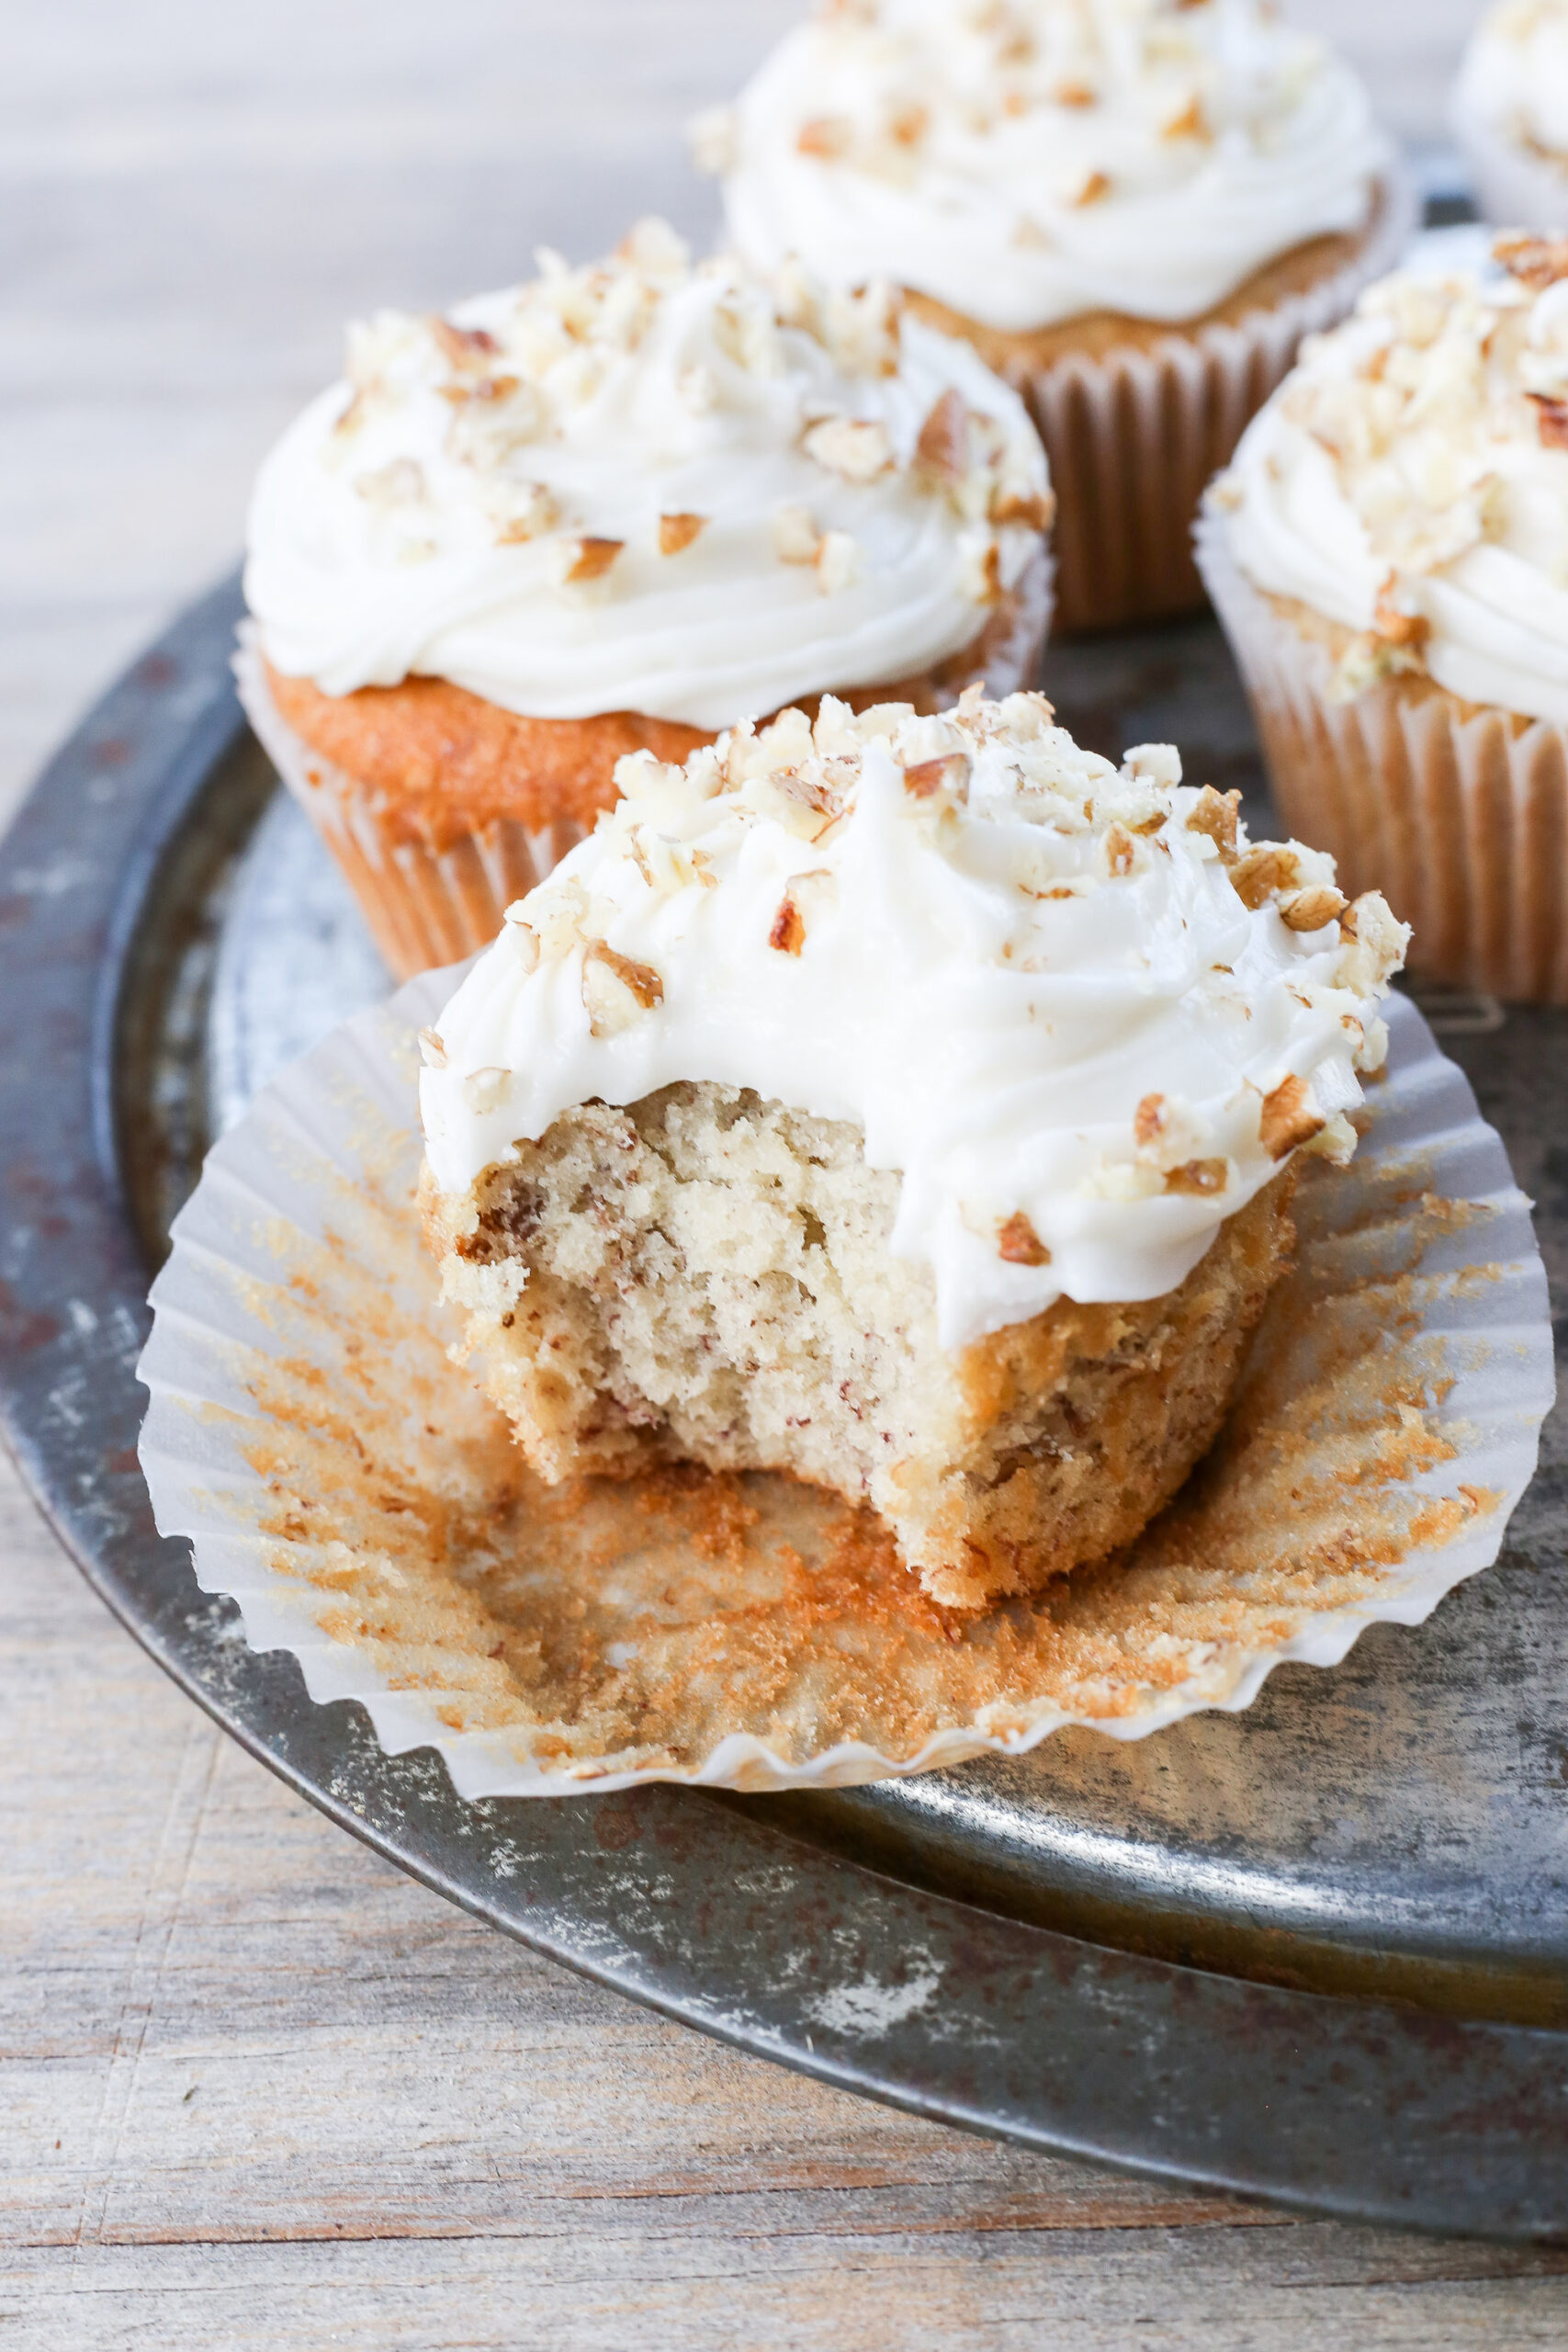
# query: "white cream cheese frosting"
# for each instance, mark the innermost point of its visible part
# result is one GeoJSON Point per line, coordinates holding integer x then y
{"type": "Point", "coordinates": [1029, 160]}
{"type": "Point", "coordinates": [1082, 1018]}
{"type": "Point", "coordinates": [1514, 80]}
{"type": "Point", "coordinates": [1409, 479]}
{"type": "Point", "coordinates": [645, 486]}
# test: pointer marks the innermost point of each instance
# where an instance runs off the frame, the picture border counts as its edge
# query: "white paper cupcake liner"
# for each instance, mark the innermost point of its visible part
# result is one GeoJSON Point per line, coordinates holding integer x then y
{"type": "Point", "coordinates": [1135, 435]}
{"type": "Point", "coordinates": [347, 1483]}
{"type": "Point", "coordinates": [1459, 815]}
{"type": "Point", "coordinates": [424, 907]}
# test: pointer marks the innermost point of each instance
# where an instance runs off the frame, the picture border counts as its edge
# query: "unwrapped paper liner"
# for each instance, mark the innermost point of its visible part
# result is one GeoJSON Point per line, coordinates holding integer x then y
{"type": "Point", "coordinates": [1134, 435]}
{"type": "Point", "coordinates": [347, 1483]}
{"type": "Point", "coordinates": [1458, 813]}
{"type": "Point", "coordinates": [426, 906]}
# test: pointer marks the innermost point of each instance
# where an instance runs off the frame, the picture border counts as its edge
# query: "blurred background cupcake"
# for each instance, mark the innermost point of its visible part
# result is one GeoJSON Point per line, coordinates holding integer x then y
{"type": "Point", "coordinates": [1389, 555]}
{"type": "Point", "coordinates": [1510, 113]}
{"type": "Point", "coordinates": [1133, 211]}
{"type": "Point", "coordinates": [619, 507]}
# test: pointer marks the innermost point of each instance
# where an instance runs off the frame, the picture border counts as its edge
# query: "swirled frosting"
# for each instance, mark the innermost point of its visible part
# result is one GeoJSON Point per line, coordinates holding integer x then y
{"type": "Point", "coordinates": [1068, 1002]}
{"type": "Point", "coordinates": [1514, 79]}
{"type": "Point", "coordinates": [642, 486]}
{"type": "Point", "coordinates": [1028, 160]}
{"type": "Point", "coordinates": [1409, 479]}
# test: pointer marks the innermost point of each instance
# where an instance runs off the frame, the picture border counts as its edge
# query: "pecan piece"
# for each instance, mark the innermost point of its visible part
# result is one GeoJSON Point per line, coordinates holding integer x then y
{"type": "Point", "coordinates": [1018, 1244]}
{"type": "Point", "coordinates": [1288, 1118]}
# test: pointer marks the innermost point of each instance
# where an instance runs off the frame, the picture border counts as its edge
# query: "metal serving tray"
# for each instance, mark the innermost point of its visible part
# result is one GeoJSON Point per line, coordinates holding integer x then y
{"type": "Point", "coordinates": [1319, 1951]}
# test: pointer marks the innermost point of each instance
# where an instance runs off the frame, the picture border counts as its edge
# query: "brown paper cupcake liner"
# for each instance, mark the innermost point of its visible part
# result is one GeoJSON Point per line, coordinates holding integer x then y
{"type": "Point", "coordinates": [1135, 435]}
{"type": "Point", "coordinates": [1457, 813]}
{"type": "Point", "coordinates": [426, 906]}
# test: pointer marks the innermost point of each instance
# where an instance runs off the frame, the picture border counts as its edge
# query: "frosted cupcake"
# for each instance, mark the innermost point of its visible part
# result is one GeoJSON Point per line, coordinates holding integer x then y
{"type": "Point", "coordinates": [615, 509]}
{"type": "Point", "coordinates": [910, 1103]}
{"type": "Point", "coordinates": [1389, 554]}
{"type": "Point", "coordinates": [1133, 209]}
{"type": "Point", "coordinates": [1510, 113]}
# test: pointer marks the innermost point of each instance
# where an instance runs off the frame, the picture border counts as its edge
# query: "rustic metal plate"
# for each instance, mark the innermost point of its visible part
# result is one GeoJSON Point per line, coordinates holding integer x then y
{"type": "Point", "coordinates": [1319, 1951]}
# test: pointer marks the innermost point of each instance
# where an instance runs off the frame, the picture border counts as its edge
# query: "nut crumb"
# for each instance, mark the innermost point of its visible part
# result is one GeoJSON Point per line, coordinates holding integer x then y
{"type": "Point", "coordinates": [678, 531]}
{"type": "Point", "coordinates": [1197, 1176]}
{"type": "Point", "coordinates": [1310, 909]}
{"type": "Point", "coordinates": [1214, 813]}
{"type": "Point", "coordinates": [1288, 1118]}
{"type": "Point", "coordinates": [592, 560]}
{"type": "Point", "coordinates": [1018, 1244]}
{"type": "Point", "coordinates": [788, 933]}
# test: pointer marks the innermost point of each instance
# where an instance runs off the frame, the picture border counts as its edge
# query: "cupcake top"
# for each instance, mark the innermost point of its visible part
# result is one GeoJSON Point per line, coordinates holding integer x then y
{"type": "Point", "coordinates": [1514, 80]}
{"type": "Point", "coordinates": [1069, 1002]}
{"type": "Point", "coordinates": [1025, 161]}
{"type": "Point", "coordinates": [1409, 480]}
{"type": "Point", "coordinates": [645, 486]}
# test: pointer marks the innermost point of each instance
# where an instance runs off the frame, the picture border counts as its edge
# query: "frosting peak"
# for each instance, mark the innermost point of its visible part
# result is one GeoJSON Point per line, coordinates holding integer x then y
{"type": "Point", "coordinates": [1409, 479]}
{"type": "Point", "coordinates": [1083, 1017]}
{"type": "Point", "coordinates": [1027, 161]}
{"type": "Point", "coordinates": [645, 486]}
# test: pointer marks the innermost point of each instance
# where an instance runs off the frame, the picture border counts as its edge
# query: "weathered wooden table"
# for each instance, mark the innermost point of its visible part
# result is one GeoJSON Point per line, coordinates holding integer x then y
{"type": "Point", "coordinates": [258, 2089]}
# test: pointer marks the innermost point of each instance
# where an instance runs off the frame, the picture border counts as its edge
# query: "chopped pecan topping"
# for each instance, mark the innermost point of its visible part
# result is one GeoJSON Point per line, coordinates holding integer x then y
{"type": "Point", "coordinates": [1551, 420]}
{"type": "Point", "coordinates": [1197, 1176]}
{"type": "Point", "coordinates": [466, 347]}
{"type": "Point", "coordinates": [1288, 1118]}
{"type": "Point", "coordinates": [1036, 509]}
{"type": "Point", "coordinates": [615, 989]}
{"type": "Point", "coordinates": [592, 560]}
{"type": "Point", "coordinates": [1148, 1119]}
{"type": "Point", "coordinates": [1312, 908]}
{"type": "Point", "coordinates": [1536, 262]}
{"type": "Point", "coordinates": [678, 531]}
{"type": "Point", "coordinates": [1190, 123]}
{"type": "Point", "coordinates": [1214, 813]}
{"type": "Point", "coordinates": [1018, 1244]}
{"type": "Point", "coordinates": [788, 933]}
{"type": "Point", "coordinates": [1263, 872]}
{"type": "Point", "coordinates": [432, 1049]}
{"type": "Point", "coordinates": [948, 774]}
{"type": "Point", "coordinates": [1094, 186]}
{"type": "Point", "coordinates": [796, 538]}
{"type": "Point", "coordinates": [855, 448]}
{"type": "Point", "coordinates": [827, 137]}
{"type": "Point", "coordinates": [942, 451]}
{"type": "Point", "coordinates": [1121, 850]}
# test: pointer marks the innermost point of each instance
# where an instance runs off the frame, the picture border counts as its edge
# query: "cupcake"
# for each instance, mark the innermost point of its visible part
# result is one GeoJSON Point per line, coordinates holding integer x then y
{"type": "Point", "coordinates": [911, 1103]}
{"type": "Point", "coordinates": [1389, 554]}
{"type": "Point", "coordinates": [616, 510]}
{"type": "Point", "coordinates": [1133, 211]}
{"type": "Point", "coordinates": [1510, 113]}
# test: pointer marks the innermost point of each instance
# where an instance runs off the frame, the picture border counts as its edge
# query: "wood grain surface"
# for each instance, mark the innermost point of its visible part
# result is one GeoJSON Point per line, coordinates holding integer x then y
{"type": "Point", "coordinates": [257, 2089]}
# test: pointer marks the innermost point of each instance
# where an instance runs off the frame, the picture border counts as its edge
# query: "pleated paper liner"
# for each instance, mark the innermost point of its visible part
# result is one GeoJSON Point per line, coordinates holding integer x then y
{"type": "Point", "coordinates": [1134, 435]}
{"type": "Point", "coordinates": [1458, 814]}
{"type": "Point", "coordinates": [346, 1482]}
{"type": "Point", "coordinates": [427, 907]}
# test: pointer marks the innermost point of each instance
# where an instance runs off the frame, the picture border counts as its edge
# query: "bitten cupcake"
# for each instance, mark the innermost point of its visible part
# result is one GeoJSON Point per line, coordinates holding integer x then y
{"type": "Point", "coordinates": [615, 509]}
{"type": "Point", "coordinates": [1389, 554]}
{"type": "Point", "coordinates": [910, 1103]}
{"type": "Point", "coordinates": [1510, 113]}
{"type": "Point", "coordinates": [1132, 209]}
